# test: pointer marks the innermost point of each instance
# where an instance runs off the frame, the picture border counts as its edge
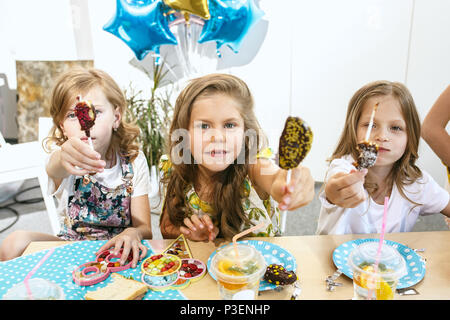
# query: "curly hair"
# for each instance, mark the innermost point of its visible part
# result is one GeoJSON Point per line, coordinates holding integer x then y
{"type": "Point", "coordinates": [79, 81]}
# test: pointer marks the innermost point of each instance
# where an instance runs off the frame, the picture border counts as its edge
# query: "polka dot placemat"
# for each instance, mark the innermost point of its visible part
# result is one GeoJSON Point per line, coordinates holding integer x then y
{"type": "Point", "coordinates": [415, 264]}
{"type": "Point", "coordinates": [58, 268]}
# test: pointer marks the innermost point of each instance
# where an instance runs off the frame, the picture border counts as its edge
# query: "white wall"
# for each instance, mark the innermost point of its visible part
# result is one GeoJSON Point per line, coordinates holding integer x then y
{"type": "Point", "coordinates": [337, 47]}
{"type": "Point", "coordinates": [34, 30]}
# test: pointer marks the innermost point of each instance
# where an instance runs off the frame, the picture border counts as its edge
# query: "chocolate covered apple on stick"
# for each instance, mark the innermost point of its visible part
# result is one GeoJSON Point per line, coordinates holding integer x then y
{"type": "Point", "coordinates": [85, 112]}
{"type": "Point", "coordinates": [295, 143]}
{"type": "Point", "coordinates": [368, 151]}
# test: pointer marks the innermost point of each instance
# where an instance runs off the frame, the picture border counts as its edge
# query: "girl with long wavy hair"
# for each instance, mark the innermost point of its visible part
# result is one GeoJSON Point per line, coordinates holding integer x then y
{"type": "Point", "coordinates": [353, 201]}
{"type": "Point", "coordinates": [101, 192]}
{"type": "Point", "coordinates": [217, 178]}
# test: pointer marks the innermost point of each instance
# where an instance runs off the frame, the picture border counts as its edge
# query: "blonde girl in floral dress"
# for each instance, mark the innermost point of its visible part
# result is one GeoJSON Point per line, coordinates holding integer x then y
{"type": "Point", "coordinates": [218, 179]}
{"type": "Point", "coordinates": [101, 194]}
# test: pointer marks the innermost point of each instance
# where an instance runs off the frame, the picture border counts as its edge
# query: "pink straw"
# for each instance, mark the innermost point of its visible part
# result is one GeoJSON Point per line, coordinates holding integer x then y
{"type": "Point", "coordinates": [383, 231]}
{"type": "Point", "coordinates": [243, 233]}
{"type": "Point", "coordinates": [30, 274]}
{"type": "Point", "coordinates": [380, 244]}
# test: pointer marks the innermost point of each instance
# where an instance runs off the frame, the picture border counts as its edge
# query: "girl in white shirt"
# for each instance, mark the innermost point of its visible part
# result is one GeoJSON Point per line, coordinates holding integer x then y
{"type": "Point", "coordinates": [101, 193]}
{"type": "Point", "coordinates": [352, 201]}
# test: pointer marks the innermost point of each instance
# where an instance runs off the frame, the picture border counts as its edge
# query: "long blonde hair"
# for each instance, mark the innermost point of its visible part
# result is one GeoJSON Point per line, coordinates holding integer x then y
{"type": "Point", "coordinates": [404, 171]}
{"type": "Point", "coordinates": [228, 191]}
{"type": "Point", "coordinates": [79, 81]}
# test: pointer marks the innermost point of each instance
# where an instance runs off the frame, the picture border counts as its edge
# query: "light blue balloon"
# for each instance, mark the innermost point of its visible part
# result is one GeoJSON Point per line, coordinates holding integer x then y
{"type": "Point", "coordinates": [230, 22]}
{"type": "Point", "coordinates": [142, 25]}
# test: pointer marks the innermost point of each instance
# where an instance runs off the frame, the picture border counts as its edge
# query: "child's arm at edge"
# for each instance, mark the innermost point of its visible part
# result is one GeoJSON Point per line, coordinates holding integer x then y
{"type": "Point", "coordinates": [446, 210]}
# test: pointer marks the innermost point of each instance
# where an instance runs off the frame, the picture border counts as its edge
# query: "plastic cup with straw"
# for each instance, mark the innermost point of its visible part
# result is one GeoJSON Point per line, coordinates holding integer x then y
{"type": "Point", "coordinates": [380, 243]}
{"type": "Point", "coordinates": [243, 233]}
{"type": "Point", "coordinates": [377, 267]}
{"type": "Point", "coordinates": [238, 269]}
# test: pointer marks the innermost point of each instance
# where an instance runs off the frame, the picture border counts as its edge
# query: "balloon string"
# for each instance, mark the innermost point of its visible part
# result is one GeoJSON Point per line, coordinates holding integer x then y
{"type": "Point", "coordinates": [178, 48]}
{"type": "Point", "coordinates": [291, 49]}
{"type": "Point", "coordinates": [192, 56]}
{"type": "Point", "coordinates": [188, 47]}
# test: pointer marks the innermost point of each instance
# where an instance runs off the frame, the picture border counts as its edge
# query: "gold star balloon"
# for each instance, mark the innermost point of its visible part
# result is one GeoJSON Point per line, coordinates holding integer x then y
{"type": "Point", "coordinates": [197, 7]}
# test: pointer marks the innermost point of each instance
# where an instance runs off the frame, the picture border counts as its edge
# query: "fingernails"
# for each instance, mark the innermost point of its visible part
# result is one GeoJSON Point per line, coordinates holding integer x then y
{"type": "Point", "coordinates": [291, 189]}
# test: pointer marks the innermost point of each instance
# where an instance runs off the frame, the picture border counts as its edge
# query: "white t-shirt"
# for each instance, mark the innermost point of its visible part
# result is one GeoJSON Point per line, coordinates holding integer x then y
{"type": "Point", "coordinates": [367, 216]}
{"type": "Point", "coordinates": [110, 178]}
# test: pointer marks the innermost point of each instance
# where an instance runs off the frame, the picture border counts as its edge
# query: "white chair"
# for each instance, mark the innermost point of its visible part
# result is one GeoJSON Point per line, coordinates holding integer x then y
{"type": "Point", "coordinates": [25, 161]}
{"type": "Point", "coordinates": [45, 124]}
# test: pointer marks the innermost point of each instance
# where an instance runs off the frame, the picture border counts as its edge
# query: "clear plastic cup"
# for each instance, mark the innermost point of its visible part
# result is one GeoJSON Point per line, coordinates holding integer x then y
{"type": "Point", "coordinates": [380, 285]}
{"type": "Point", "coordinates": [238, 277]}
{"type": "Point", "coordinates": [41, 289]}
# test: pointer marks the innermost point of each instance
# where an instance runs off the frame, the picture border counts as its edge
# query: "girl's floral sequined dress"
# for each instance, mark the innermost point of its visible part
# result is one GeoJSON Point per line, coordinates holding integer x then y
{"type": "Point", "coordinates": [256, 209]}
{"type": "Point", "coordinates": [96, 212]}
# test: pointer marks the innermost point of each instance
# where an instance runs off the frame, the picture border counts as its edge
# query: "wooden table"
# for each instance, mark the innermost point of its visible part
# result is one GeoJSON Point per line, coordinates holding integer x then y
{"type": "Point", "coordinates": [314, 264]}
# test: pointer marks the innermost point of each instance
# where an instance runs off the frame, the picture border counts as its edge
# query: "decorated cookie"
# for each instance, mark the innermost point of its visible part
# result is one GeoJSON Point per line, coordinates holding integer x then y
{"type": "Point", "coordinates": [278, 275]}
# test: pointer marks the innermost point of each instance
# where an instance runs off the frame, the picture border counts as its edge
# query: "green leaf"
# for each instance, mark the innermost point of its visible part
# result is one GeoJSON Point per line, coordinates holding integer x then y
{"type": "Point", "coordinates": [153, 115]}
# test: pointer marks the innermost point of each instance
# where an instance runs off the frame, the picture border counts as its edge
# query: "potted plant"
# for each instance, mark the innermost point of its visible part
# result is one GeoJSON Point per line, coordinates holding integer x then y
{"type": "Point", "coordinates": [153, 116]}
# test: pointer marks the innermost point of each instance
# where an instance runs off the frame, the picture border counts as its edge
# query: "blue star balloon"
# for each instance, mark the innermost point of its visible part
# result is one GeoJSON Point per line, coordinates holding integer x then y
{"type": "Point", "coordinates": [230, 22]}
{"type": "Point", "coordinates": [142, 25]}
